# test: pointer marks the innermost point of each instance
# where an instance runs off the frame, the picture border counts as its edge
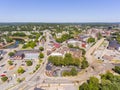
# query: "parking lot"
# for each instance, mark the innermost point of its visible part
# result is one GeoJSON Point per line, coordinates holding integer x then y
{"type": "Point", "coordinates": [102, 53]}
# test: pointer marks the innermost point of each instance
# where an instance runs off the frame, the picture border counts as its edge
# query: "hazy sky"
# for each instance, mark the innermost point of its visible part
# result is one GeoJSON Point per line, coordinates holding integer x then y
{"type": "Point", "coordinates": [59, 10]}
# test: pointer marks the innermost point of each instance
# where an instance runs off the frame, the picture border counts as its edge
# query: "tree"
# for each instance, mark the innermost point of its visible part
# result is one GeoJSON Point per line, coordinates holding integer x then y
{"type": "Point", "coordinates": [63, 38]}
{"type": "Point", "coordinates": [20, 34]}
{"type": "Point", "coordinates": [41, 55]}
{"type": "Point", "coordinates": [91, 40]}
{"type": "Point", "coordinates": [116, 69]}
{"type": "Point", "coordinates": [31, 44]}
{"type": "Point", "coordinates": [20, 70]}
{"type": "Point", "coordinates": [73, 72]}
{"type": "Point", "coordinates": [99, 36]}
{"type": "Point", "coordinates": [93, 83]}
{"type": "Point", "coordinates": [11, 54]}
{"type": "Point", "coordinates": [4, 78]}
{"type": "Point", "coordinates": [41, 49]}
{"type": "Point", "coordinates": [10, 62]}
{"type": "Point", "coordinates": [84, 64]}
{"type": "Point", "coordinates": [108, 82]}
{"type": "Point", "coordinates": [84, 86]}
{"type": "Point", "coordinates": [66, 61]}
{"type": "Point", "coordinates": [70, 46]}
{"type": "Point", "coordinates": [83, 51]}
{"type": "Point", "coordinates": [20, 80]}
{"type": "Point", "coordinates": [9, 40]}
{"type": "Point", "coordinates": [29, 63]}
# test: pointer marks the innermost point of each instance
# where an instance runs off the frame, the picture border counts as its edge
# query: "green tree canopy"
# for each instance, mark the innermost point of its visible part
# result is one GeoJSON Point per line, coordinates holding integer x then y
{"type": "Point", "coordinates": [11, 54]}
{"type": "Point", "coordinates": [20, 70]}
{"type": "Point", "coordinates": [91, 40]}
{"type": "Point", "coordinates": [29, 63]}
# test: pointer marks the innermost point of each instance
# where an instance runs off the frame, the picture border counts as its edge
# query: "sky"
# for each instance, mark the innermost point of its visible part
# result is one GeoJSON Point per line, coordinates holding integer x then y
{"type": "Point", "coordinates": [59, 10]}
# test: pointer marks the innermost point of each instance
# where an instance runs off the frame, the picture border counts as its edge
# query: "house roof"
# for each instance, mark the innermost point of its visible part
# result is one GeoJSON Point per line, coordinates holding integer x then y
{"type": "Point", "coordinates": [114, 44]}
{"type": "Point", "coordinates": [57, 45]}
{"type": "Point", "coordinates": [1, 51]}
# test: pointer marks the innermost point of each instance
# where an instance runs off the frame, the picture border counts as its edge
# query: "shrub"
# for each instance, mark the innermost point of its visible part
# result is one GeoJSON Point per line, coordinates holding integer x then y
{"type": "Point", "coordinates": [5, 78]}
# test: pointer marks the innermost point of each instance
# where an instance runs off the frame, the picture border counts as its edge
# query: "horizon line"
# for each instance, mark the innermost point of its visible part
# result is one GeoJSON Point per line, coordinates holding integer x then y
{"type": "Point", "coordinates": [57, 22]}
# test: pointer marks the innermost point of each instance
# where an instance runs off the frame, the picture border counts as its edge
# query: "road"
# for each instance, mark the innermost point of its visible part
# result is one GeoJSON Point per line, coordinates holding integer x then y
{"type": "Point", "coordinates": [40, 73]}
{"type": "Point", "coordinates": [89, 53]}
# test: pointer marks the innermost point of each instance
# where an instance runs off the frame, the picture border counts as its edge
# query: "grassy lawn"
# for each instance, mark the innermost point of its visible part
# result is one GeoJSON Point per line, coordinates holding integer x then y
{"type": "Point", "coordinates": [115, 61]}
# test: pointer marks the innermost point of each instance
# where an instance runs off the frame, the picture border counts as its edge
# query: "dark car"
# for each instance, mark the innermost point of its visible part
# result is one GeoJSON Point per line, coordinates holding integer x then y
{"type": "Point", "coordinates": [23, 64]}
{"type": "Point", "coordinates": [5, 72]}
{"type": "Point", "coordinates": [1, 58]}
{"type": "Point", "coordinates": [2, 65]}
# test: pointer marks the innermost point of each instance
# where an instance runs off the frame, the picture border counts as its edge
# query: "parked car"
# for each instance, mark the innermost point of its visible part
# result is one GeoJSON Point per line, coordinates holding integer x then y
{"type": "Point", "coordinates": [2, 75]}
{"type": "Point", "coordinates": [5, 72]}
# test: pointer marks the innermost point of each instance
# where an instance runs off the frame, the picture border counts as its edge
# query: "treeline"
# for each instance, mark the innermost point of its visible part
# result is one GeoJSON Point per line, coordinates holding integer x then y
{"type": "Point", "coordinates": [30, 44]}
{"type": "Point", "coordinates": [68, 60]}
{"type": "Point", "coordinates": [35, 35]}
{"type": "Point", "coordinates": [108, 82]}
{"type": "Point", "coordinates": [20, 34]}
{"type": "Point", "coordinates": [63, 38]}
{"type": "Point", "coordinates": [116, 69]}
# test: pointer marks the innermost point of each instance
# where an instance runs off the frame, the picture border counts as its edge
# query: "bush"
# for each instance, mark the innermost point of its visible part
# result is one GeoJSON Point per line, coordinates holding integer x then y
{"type": "Point", "coordinates": [40, 61]}
{"type": "Point", "coordinates": [72, 72]}
{"type": "Point", "coordinates": [37, 67]}
{"type": "Point", "coordinates": [29, 63]}
{"type": "Point", "coordinates": [4, 78]}
{"type": "Point", "coordinates": [66, 73]}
